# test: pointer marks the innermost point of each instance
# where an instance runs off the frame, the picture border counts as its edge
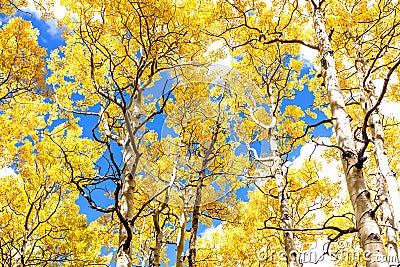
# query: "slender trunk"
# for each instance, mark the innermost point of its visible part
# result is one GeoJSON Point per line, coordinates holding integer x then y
{"type": "Point", "coordinates": [367, 227]}
{"type": "Point", "coordinates": [195, 222]}
{"type": "Point", "coordinates": [288, 236]}
{"type": "Point", "coordinates": [290, 245]}
{"type": "Point", "coordinates": [181, 238]}
{"type": "Point", "coordinates": [144, 250]}
{"type": "Point", "coordinates": [124, 252]}
{"type": "Point", "coordinates": [202, 175]}
{"type": "Point", "coordinates": [156, 261]}
{"type": "Point", "coordinates": [384, 168]}
{"type": "Point", "coordinates": [131, 158]}
{"type": "Point", "coordinates": [20, 257]}
{"type": "Point", "coordinates": [21, 261]}
{"type": "Point", "coordinates": [370, 93]}
{"type": "Point", "coordinates": [390, 216]}
{"type": "Point", "coordinates": [390, 221]}
{"type": "Point", "coordinates": [387, 218]}
{"type": "Point", "coordinates": [159, 238]}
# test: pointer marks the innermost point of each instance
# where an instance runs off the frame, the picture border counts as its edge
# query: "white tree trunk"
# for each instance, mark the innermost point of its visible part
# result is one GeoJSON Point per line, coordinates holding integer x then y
{"type": "Point", "coordinates": [156, 219]}
{"type": "Point", "coordinates": [370, 94]}
{"type": "Point", "coordinates": [387, 218]}
{"type": "Point", "coordinates": [388, 181]}
{"type": "Point", "coordinates": [290, 246]}
{"type": "Point", "coordinates": [124, 255]}
{"type": "Point", "coordinates": [288, 236]}
{"type": "Point", "coordinates": [131, 157]}
{"type": "Point", "coordinates": [368, 230]}
{"type": "Point", "coordinates": [181, 238]}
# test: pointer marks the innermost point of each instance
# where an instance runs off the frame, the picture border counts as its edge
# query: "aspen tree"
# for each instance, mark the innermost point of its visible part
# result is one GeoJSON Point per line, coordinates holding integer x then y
{"type": "Point", "coordinates": [115, 52]}
{"type": "Point", "coordinates": [385, 176]}
{"type": "Point", "coordinates": [369, 232]}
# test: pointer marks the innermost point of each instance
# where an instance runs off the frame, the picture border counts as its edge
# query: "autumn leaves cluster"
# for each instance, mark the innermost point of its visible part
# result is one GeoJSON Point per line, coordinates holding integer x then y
{"type": "Point", "coordinates": [135, 116]}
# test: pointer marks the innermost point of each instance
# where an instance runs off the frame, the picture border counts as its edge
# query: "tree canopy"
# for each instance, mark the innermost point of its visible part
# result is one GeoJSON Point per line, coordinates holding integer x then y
{"type": "Point", "coordinates": [200, 133]}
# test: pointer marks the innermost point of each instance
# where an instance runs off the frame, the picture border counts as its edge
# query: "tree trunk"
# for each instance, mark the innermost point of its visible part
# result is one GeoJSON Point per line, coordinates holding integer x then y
{"type": "Point", "coordinates": [125, 233]}
{"type": "Point", "coordinates": [131, 158]}
{"type": "Point", "coordinates": [370, 94]}
{"type": "Point", "coordinates": [181, 238]}
{"type": "Point", "coordinates": [195, 222]}
{"type": "Point", "coordinates": [202, 176]}
{"type": "Point", "coordinates": [288, 236]}
{"type": "Point", "coordinates": [387, 218]}
{"type": "Point", "coordinates": [159, 238]}
{"type": "Point", "coordinates": [290, 246]}
{"type": "Point", "coordinates": [367, 227]}
{"type": "Point", "coordinates": [156, 219]}
{"type": "Point", "coordinates": [389, 214]}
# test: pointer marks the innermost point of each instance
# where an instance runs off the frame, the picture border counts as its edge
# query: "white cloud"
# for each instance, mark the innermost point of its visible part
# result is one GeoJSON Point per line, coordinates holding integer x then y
{"type": "Point", "coordinates": [6, 171]}
{"type": "Point", "coordinates": [379, 83]}
{"type": "Point", "coordinates": [58, 10]}
{"type": "Point", "coordinates": [226, 61]}
{"type": "Point", "coordinates": [329, 170]}
{"type": "Point", "coordinates": [32, 9]}
{"type": "Point", "coordinates": [387, 108]}
{"type": "Point", "coordinates": [390, 109]}
{"type": "Point", "coordinates": [314, 151]}
{"type": "Point", "coordinates": [97, 16]}
{"type": "Point", "coordinates": [53, 29]}
{"type": "Point", "coordinates": [313, 256]}
{"type": "Point", "coordinates": [378, 86]}
{"type": "Point", "coordinates": [302, 3]}
{"type": "Point", "coordinates": [210, 231]}
{"type": "Point", "coordinates": [310, 149]}
{"type": "Point", "coordinates": [308, 54]}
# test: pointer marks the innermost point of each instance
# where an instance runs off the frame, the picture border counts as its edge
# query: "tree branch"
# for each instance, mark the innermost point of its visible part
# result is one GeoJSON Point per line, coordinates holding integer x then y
{"type": "Point", "coordinates": [369, 113]}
